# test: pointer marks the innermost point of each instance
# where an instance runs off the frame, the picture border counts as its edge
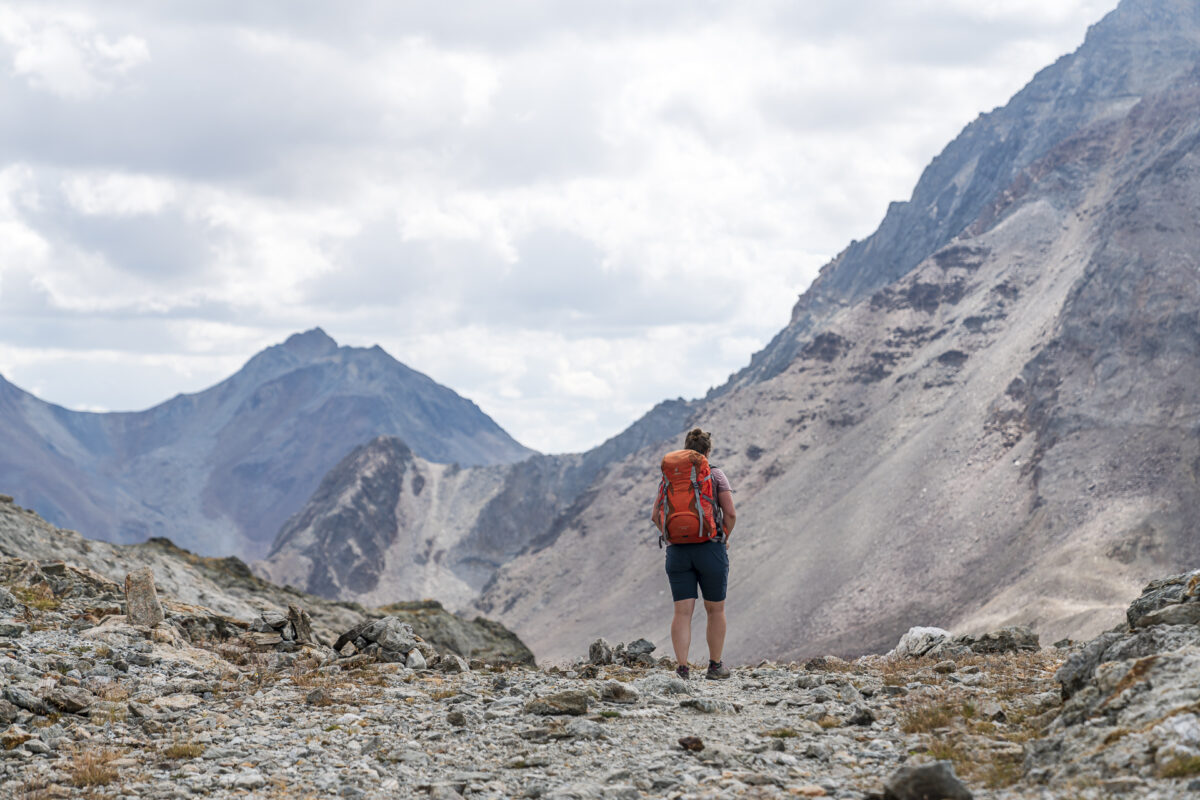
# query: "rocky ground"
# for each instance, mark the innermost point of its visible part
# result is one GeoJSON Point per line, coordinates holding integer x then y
{"type": "Point", "coordinates": [95, 705]}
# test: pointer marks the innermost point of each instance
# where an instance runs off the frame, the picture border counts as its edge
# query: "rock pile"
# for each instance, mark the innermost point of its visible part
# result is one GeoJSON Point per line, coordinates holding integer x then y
{"type": "Point", "coordinates": [636, 653]}
{"type": "Point", "coordinates": [391, 640]}
{"type": "Point", "coordinates": [1132, 698]}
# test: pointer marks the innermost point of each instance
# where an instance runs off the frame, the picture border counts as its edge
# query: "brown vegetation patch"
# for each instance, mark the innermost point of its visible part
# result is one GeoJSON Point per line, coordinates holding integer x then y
{"type": "Point", "coordinates": [93, 767]}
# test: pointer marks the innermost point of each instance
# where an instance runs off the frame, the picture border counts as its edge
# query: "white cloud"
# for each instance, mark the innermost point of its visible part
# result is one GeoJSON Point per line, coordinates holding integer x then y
{"type": "Point", "coordinates": [60, 52]}
{"type": "Point", "coordinates": [528, 204]}
{"type": "Point", "coordinates": [118, 194]}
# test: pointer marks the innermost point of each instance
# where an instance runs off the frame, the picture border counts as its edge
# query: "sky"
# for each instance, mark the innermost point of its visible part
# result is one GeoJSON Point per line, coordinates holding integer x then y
{"type": "Point", "coordinates": [565, 211]}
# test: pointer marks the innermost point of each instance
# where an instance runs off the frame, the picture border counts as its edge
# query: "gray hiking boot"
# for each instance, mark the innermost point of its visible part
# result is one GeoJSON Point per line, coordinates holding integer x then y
{"type": "Point", "coordinates": [683, 672]}
{"type": "Point", "coordinates": [716, 671]}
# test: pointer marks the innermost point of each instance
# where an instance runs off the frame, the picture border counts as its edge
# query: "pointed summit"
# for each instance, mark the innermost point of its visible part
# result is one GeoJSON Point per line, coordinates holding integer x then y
{"type": "Point", "coordinates": [310, 344]}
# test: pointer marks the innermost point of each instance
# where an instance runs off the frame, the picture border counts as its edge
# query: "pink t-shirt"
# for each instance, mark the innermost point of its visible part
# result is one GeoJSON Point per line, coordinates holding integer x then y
{"type": "Point", "coordinates": [722, 483]}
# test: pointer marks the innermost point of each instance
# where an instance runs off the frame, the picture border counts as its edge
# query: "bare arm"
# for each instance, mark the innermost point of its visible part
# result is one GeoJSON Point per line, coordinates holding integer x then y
{"type": "Point", "coordinates": [726, 501]}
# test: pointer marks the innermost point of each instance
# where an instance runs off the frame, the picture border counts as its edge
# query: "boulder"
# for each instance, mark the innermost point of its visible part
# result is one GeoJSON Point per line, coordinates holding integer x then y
{"type": "Point", "coordinates": [391, 634]}
{"type": "Point", "coordinates": [301, 625]}
{"type": "Point", "coordinates": [453, 664]}
{"type": "Point", "coordinates": [141, 599]}
{"type": "Point", "coordinates": [925, 782]}
{"type": "Point", "coordinates": [600, 653]}
{"type": "Point", "coordinates": [1006, 640]}
{"type": "Point", "coordinates": [71, 699]}
{"type": "Point", "coordinates": [918, 642]}
{"type": "Point", "coordinates": [1159, 594]}
{"type": "Point", "coordinates": [640, 647]}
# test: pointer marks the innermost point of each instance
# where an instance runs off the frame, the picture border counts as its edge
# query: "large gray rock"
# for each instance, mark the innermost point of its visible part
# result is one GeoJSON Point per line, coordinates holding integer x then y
{"type": "Point", "coordinates": [1160, 596]}
{"type": "Point", "coordinates": [141, 599]}
{"type": "Point", "coordinates": [301, 624]}
{"type": "Point", "coordinates": [71, 699]}
{"type": "Point", "coordinates": [1006, 640]}
{"type": "Point", "coordinates": [391, 635]}
{"type": "Point", "coordinates": [935, 781]}
{"type": "Point", "coordinates": [600, 653]}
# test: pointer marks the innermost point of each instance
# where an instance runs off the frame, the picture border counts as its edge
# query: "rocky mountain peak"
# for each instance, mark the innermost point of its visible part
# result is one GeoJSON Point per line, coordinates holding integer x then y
{"type": "Point", "coordinates": [313, 343]}
{"type": "Point", "coordinates": [1142, 47]}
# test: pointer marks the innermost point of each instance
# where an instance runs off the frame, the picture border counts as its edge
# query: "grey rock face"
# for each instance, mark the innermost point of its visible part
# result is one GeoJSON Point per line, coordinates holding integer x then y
{"type": "Point", "coordinates": [141, 598]}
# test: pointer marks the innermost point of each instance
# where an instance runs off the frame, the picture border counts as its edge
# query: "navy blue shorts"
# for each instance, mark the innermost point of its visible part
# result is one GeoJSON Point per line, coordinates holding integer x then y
{"type": "Point", "coordinates": [706, 564]}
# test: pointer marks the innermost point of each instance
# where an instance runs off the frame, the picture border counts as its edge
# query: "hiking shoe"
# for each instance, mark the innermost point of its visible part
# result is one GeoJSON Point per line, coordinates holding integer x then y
{"type": "Point", "coordinates": [716, 671]}
{"type": "Point", "coordinates": [683, 672]}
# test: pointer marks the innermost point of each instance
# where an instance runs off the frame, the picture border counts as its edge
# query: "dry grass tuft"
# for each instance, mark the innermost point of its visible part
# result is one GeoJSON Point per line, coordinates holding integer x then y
{"type": "Point", "coordinates": [93, 767]}
{"type": "Point", "coordinates": [1181, 768]}
{"type": "Point", "coordinates": [39, 596]}
{"type": "Point", "coordinates": [179, 750]}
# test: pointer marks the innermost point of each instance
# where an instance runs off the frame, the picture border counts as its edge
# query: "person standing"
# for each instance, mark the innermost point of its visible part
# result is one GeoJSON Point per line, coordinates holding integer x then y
{"type": "Point", "coordinates": [694, 514]}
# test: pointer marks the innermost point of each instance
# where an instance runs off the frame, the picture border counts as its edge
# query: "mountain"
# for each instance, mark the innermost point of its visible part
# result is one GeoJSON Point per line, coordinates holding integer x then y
{"type": "Point", "coordinates": [386, 524]}
{"type": "Point", "coordinates": [219, 471]}
{"type": "Point", "coordinates": [984, 413]}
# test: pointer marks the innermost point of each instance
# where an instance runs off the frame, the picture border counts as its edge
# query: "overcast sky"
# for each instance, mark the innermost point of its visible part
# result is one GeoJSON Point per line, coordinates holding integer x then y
{"type": "Point", "coordinates": [543, 205]}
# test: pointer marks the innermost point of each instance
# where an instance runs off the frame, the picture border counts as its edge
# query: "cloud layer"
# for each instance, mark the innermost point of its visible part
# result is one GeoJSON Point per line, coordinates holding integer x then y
{"type": "Point", "coordinates": [532, 202]}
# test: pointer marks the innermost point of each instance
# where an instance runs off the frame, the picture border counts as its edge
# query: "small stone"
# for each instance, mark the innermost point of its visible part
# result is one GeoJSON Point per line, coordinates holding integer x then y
{"type": "Point", "coordinates": [692, 744]}
{"type": "Point", "coordinates": [809, 790]}
{"type": "Point", "coordinates": [415, 660]}
{"type": "Point", "coordinates": [8, 712]}
{"type": "Point", "coordinates": [617, 692]}
{"type": "Point", "coordinates": [572, 702]}
{"type": "Point", "coordinates": [37, 747]}
{"type": "Point", "coordinates": [453, 664]}
{"type": "Point", "coordinates": [708, 706]}
{"type": "Point", "coordinates": [993, 711]}
{"type": "Point", "coordinates": [945, 667]}
{"type": "Point", "coordinates": [273, 620]}
{"type": "Point", "coordinates": [583, 729]}
{"type": "Point", "coordinates": [936, 780]}
{"type": "Point", "coordinates": [318, 697]}
{"type": "Point", "coordinates": [600, 653]}
{"type": "Point", "coordinates": [141, 599]}
{"type": "Point", "coordinates": [456, 718]}
{"type": "Point", "coordinates": [860, 715]}
{"type": "Point", "coordinates": [11, 630]}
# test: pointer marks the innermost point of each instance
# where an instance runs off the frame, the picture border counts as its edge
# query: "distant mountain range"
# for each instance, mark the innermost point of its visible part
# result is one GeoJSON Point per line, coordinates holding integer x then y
{"type": "Point", "coordinates": [218, 472]}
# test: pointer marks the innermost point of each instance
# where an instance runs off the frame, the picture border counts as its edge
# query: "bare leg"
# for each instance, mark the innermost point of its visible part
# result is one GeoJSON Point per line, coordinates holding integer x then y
{"type": "Point", "coordinates": [715, 631]}
{"type": "Point", "coordinates": [681, 629]}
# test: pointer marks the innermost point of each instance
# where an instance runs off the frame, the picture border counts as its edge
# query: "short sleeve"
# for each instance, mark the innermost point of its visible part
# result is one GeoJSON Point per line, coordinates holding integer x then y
{"type": "Point", "coordinates": [721, 481]}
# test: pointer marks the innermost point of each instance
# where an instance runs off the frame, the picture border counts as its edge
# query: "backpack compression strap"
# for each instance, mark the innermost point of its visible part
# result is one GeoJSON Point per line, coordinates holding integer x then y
{"type": "Point", "coordinates": [699, 507]}
{"type": "Point", "coordinates": [660, 507]}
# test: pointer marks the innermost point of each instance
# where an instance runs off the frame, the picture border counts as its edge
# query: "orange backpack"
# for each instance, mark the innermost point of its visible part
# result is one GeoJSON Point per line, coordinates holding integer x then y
{"type": "Point", "coordinates": [687, 510]}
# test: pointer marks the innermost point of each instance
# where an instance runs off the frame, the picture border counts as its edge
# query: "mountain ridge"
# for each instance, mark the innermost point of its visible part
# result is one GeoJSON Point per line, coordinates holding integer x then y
{"type": "Point", "coordinates": [219, 470]}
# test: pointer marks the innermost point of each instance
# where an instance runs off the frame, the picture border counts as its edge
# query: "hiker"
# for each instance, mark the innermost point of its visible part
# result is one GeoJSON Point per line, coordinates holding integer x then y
{"type": "Point", "coordinates": [694, 515]}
